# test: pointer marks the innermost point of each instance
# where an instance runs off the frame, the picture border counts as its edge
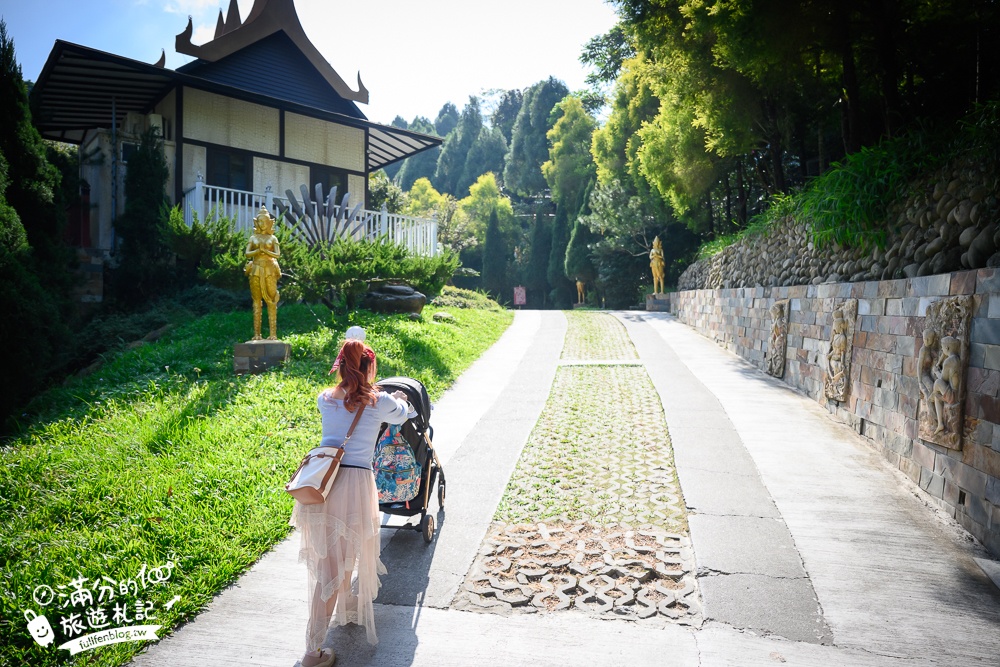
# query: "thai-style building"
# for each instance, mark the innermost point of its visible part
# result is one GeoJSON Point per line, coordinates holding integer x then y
{"type": "Point", "coordinates": [257, 113]}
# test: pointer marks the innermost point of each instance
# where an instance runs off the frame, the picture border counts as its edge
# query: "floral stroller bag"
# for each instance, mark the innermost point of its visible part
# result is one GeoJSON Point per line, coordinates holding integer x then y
{"type": "Point", "coordinates": [397, 472]}
{"type": "Point", "coordinates": [407, 469]}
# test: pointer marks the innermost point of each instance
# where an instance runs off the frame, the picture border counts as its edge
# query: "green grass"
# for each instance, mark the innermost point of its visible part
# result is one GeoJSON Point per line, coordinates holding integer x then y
{"type": "Point", "coordinates": [849, 203]}
{"type": "Point", "coordinates": [164, 454]}
{"type": "Point", "coordinates": [780, 206]}
{"type": "Point", "coordinates": [588, 460]}
{"type": "Point", "coordinates": [594, 336]}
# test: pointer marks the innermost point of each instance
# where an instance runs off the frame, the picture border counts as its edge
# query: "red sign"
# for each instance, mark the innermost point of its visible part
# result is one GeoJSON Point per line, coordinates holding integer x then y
{"type": "Point", "coordinates": [520, 297]}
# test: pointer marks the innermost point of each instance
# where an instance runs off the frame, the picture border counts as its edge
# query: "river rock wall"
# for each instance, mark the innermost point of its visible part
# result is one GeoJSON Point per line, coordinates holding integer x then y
{"type": "Point", "coordinates": [948, 223]}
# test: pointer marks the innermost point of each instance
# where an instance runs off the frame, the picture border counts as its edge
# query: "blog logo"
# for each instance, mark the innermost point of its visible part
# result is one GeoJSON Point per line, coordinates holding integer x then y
{"type": "Point", "coordinates": [39, 628]}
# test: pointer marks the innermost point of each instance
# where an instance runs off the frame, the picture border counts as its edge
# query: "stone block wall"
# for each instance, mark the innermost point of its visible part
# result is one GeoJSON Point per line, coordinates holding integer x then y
{"type": "Point", "coordinates": [883, 396]}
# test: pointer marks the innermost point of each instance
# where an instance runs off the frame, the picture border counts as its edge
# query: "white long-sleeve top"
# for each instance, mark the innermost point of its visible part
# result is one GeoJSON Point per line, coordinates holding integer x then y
{"type": "Point", "coordinates": [337, 420]}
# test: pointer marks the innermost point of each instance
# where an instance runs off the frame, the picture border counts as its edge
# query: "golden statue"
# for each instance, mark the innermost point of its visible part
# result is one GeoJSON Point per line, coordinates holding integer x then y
{"type": "Point", "coordinates": [657, 264]}
{"type": "Point", "coordinates": [580, 292]}
{"type": "Point", "coordinates": [263, 272]}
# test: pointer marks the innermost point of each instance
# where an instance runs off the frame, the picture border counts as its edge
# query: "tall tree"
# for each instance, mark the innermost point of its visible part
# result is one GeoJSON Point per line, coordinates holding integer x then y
{"type": "Point", "coordinates": [529, 145]}
{"type": "Point", "coordinates": [541, 247]}
{"type": "Point", "coordinates": [143, 267]}
{"type": "Point", "coordinates": [562, 289]}
{"type": "Point", "coordinates": [579, 264]}
{"type": "Point", "coordinates": [446, 120]}
{"type": "Point", "coordinates": [485, 156]}
{"type": "Point", "coordinates": [455, 151]}
{"type": "Point", "coordinates": [494, 259]}
{"type": "Point", "coordinates": [570, 165]}
{"type": "Point", "coordinates": [32, 180]}
{"type": "Point", "coordinates": [505, 113]}
{"type": "Point", "coordinates": [33, 328]}
{"type": "Point", "coordinates": [423, 164]}
{"type": "Point", "coordinates": [605, 54]}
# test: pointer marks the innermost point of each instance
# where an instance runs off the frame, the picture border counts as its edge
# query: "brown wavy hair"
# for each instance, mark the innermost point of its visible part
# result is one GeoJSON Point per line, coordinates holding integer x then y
{"type": "Point", "coordinates": [356, 367]}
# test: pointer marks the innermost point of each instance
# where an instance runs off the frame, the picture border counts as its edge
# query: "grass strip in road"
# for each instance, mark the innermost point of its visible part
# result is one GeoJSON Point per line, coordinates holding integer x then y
{"type": "Point", "coordinates": [592, 517]}
{"type": "Point", "coordinates": [599, 452]}
{"type": "Point", "coordinates": [593, 336]}
{"type": "Point", "coordinates": [164, 455]}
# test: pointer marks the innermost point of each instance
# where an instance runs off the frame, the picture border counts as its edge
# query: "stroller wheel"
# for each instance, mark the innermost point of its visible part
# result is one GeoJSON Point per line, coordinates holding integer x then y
{"type": "Point", "coordinates": [441, 493]}
{"type": "Point", "coordinates": [427, 528]}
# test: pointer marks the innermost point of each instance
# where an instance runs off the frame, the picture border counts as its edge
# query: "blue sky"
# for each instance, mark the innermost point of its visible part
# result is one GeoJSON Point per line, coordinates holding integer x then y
{"type": "Point", "coordinates": [413, 55]}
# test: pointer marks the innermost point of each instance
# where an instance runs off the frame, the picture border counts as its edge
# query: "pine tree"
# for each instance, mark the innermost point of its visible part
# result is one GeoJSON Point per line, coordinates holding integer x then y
{"type": "Point", "coordinates": [33, 264]}
{"type": "Point", "coordinates": [455, 151]}
{"type": "Point", "coordinates": [562, 289]}
{"type": "Point", "coordinates": [446, 120]}
{"type": "Point", "coordinates": [486, 155]}
{"type": "Point", "coordinates": [579, 265]}
{"type": "Point", "coordinates": [529, 146]}
{"type": "Point", "coordinates": [541, 248]}
{"type": "Point", "coordinates": [32, 180]}
{"type": "Point", "coordinates": [423, 164]}
{"type": "Point", "coordinates": [494, 259]}
{"type": "Point", "coordinates": [142, 271]}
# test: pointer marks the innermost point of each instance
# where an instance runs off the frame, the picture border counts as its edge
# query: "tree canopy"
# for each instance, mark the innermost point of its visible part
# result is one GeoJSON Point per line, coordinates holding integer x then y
{"type": "Point", "coordinates": [529, 144]}
{"type": "Point", "coordinates": [570, 165]}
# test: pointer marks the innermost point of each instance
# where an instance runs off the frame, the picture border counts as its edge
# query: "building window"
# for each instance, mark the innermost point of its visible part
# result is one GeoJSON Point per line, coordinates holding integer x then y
{"type": "Point", "coordinates": [229, 169]}
{"type": "Point", "coordinates": [330, 177]}
{"type": "Point", "coordinates": [129, 149]}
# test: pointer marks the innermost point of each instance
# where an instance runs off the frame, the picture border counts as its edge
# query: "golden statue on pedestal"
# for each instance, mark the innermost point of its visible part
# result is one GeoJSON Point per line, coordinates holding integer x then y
{"type": "Point", "coordinates": [657, 265]}
{"type": "Point", "coordinates": [263, 272]}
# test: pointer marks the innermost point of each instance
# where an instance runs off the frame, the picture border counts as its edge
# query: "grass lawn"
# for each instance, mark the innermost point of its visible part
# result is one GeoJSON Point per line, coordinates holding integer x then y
{"type": "Point", "coordinates": [164, 456]}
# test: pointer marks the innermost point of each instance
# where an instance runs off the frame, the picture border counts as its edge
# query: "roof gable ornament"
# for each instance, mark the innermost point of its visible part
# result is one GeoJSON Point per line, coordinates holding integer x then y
{"type": "Point", "coordinates": [266, 18]}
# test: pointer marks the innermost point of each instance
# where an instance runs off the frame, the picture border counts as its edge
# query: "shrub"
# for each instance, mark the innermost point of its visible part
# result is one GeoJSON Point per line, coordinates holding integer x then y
{"type": "Point", "coordinates": [456, 297]}
{"type": "Point", "coordinates": [31, 330]}
{"type": "Point", "coordinates": [337, 274]}
{"type": "Point", "coordinates": [209, 251]}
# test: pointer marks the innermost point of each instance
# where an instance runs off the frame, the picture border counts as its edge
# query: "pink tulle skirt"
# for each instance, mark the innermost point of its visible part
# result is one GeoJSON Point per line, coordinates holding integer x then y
{"type": "Point", "coordinates": [340, 547]}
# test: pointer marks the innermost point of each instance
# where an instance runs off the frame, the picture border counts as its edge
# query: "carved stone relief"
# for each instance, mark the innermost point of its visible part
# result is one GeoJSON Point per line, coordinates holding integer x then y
{"type": "Point", "coordinates": [941, 366]}
{"type": "Point", "coordinates": [838, 359]}
{"type": "Point", "coordinates": [779, 339]}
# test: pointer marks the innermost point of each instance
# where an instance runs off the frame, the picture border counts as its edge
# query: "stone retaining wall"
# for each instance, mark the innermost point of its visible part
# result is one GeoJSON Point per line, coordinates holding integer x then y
{"type": "Point", "coordinates": [883, 391]}
{"type": "Point", "coordinates": [950, 221]}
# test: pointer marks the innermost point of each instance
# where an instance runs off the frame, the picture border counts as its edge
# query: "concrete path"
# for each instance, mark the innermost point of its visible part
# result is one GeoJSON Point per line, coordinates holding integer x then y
{"type": "Point", "coordinates": [892, 576]}
{"type": "Point", "coordinates": [811, 551]}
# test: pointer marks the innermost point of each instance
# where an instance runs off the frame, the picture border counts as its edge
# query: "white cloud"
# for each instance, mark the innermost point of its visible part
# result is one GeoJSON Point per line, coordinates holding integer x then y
{"type": "Point", "coordinates": [203, 34]}
{"type": "Point", "coordinates": [190, 7]}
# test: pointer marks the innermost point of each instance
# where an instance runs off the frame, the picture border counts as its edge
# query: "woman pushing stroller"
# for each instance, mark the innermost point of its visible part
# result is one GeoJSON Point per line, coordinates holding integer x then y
{"type": "Point", "coordinates": [340, 537]}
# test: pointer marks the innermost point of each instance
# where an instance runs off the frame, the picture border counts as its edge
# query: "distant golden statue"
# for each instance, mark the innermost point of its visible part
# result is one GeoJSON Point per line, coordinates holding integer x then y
{"type": "Point", "coordinates": [656, 264]}
{"type": "Point", "coordinates": [580, 292]}
{"type": "Point", "coordinates": [263, 272]}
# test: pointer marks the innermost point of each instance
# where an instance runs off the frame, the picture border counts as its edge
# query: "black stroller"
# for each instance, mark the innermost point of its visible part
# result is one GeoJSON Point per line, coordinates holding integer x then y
{"type": "Point", "coordinates": [419, 434]}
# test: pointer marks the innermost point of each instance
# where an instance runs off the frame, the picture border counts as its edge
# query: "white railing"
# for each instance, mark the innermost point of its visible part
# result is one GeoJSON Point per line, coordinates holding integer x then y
{"type": "Point", "coordinates": [241, 207]}
{"type": "Point", "coordinates": [417, 235]}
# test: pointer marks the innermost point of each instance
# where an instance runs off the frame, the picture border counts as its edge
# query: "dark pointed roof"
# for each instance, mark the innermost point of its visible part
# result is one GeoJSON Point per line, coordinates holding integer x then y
{"type": "Point", "coordinates": [275, 67]}
{"type": "Point", "coordinates": [266, 18]}
{"type": "Point", "coordinates": [80, 86]}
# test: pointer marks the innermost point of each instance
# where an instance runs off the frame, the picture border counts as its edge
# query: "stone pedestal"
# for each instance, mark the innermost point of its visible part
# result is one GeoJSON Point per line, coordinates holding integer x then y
{"type": "Point", "coordinates": [256, 356]}
{"type": "Point", "coordinates": [658, 303]}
